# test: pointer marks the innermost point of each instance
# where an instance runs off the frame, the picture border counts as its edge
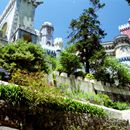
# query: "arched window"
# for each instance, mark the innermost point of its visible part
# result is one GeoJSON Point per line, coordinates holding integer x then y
{"type": "Point", "coordinates": [27, 37]}
{"type": "Point", "coordinates": [48, 43]}
{"type": "Point", "coordinates": [4, 29]}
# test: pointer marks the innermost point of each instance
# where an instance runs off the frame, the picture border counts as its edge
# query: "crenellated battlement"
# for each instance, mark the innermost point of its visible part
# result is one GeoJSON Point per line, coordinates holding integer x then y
{"type": "Point", "coordinates": [125, 27]}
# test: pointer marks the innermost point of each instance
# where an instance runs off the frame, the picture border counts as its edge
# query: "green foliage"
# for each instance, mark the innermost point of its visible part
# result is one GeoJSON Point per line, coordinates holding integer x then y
{"type": "Point", "coordinates": [106, 101]}
{"type": "Point", "coordinates": [32, 79]}
{"type": "Point", "coordinates": [12, 94]}
{"type": "Point", "coordinates": [120, 106]}
{"type": "Point", "coordinates": [97, 62]}
{"type": "Point", "coordinates": [114, 72]}
{"type": "Point", "coordinates": [60, 68]}
{"type": "Point", "coordinates": [53, 62]}
{"type": "Point", "coordinates": [23, 55]}
{"type": "Point", "coordinates": [50, 97]}
{"type": "Point", "coordinates": [90, 76]}
{"type": "Point", "coordinates": [99, 99]}
{"type": "Point", "coordinates": [128, 1]}
{"type": "Point", "coordinates": [86, 33]}
{"type": "Point", "coordinates": [92, 98]}
{"type": "Point", "coordinates": [69, 62]}
{"type": "Point", "coordinates": [75, 128]}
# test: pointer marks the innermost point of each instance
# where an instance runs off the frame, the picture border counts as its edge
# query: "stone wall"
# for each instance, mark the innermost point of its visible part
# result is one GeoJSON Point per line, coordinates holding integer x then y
{"type": "Point", "coordinates": [115, 114]}
{"type": "Point", "coordinates": [92, 86]}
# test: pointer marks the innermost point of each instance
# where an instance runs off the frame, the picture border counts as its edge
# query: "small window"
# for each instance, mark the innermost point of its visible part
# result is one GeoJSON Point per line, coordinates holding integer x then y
{"type": "Point", "coordinates": [48, 43]}
{"type": "Point", "coordinates": [27, 37]}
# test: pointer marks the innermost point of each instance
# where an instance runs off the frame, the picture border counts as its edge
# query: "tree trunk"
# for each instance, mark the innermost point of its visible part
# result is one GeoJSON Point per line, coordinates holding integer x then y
{"type": "Point", "coordinates": [87, 66]}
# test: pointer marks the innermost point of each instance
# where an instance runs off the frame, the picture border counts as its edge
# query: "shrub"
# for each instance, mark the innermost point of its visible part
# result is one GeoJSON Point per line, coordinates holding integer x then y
{"type": "Point", "coordinates": [69, 61]}
{"type": "Point", "coordinates": [90, 76]}
{"type": "Point", "coordinates": [31, 79]}
{"type": "Point", "coordinates": [49, 97]}
{"type": "Point", "coordinates": [99, 99]}
{"type": "Point", "coordinates": [23, 55]}
{"type": "Point", "coordinates": [106, 101]}
{"type": "Point", "coordinates": [121, 106]}
{"type": "Point", "coordinates": [11, 94]}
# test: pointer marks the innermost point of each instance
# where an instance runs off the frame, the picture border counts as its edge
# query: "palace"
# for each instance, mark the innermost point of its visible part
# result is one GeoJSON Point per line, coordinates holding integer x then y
{"type": "Point", "coordinates": [120, 46]}
{"type": "Point", "coordinates": [17, 22]}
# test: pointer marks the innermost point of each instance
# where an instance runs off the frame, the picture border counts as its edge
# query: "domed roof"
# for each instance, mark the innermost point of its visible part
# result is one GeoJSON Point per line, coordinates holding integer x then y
{"type": "Point", "coordinates": [47, 24]}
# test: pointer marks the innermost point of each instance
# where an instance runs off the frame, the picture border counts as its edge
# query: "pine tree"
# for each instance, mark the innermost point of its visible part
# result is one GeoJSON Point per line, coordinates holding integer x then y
{"type": "Point", "coordinates": [86, 33]}
{"type": "Point", "coordinates": [128, 1]}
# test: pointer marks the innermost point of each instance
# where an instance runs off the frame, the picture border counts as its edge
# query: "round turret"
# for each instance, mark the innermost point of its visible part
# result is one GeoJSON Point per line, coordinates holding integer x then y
{"type": "Point", "coordinates": [47, 25]}
{"type": "Point", "coordinates": [122, 48]}
{"type": "Point", "coordinates": [58, 42]}
{"type": "Point", "coordinates": [46, 34]}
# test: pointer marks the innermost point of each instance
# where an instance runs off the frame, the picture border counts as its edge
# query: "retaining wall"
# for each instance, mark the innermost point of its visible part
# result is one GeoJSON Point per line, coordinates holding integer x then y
{"type": "Point", "coordinates": [87, 85]}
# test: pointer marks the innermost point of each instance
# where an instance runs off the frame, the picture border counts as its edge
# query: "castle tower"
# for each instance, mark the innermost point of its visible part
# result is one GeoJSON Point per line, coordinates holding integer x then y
{"type": "Point", "coordinates": [46, 34]}
{"type": "Point", "coordinates": [17, 20]}
{"type": "Point", "coordinates": [46, 38]}
{"type": "Point", "coordinates": [122, 48]}
{"type": "Point", "coordinates": [125, 29]}
{"type": "Point", "coordinates": [58, 44]}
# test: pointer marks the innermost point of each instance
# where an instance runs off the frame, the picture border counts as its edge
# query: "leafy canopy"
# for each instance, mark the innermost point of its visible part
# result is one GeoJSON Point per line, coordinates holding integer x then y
{"type": "Point", "coordinates": [23, 55]}
{"type": "Point", "coordinates": [69, 61]}
{"type": "Point", "coordinates": [128, 1]}
{"type": "Point", "coordinates": [112, 71]}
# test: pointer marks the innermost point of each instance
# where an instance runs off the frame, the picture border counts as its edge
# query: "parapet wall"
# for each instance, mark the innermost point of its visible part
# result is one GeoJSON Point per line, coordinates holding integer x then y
{"type": "Point", "coordinates": [87, 85]}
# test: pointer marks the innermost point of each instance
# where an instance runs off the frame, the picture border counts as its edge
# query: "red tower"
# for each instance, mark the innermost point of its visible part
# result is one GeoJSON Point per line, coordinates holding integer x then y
{"type": "Point", "coordinates": [125, 29]}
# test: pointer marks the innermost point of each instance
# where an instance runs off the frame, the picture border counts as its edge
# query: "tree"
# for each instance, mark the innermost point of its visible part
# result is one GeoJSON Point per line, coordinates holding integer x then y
{"type": "Point", "coordinates": [128, 1]}
{"type": "Point", "coordinates": [97, 62]}
{"type": "Point", "coordinates": [114, 72]}
{"type": "Point", "coordinates": [86, 33]}
{"type": "Point", "coordinates": [69, 62]}
{"type": "Point", "coordinates": [53, 62]}
{"type": "Point", "coordinates": [23, 55]}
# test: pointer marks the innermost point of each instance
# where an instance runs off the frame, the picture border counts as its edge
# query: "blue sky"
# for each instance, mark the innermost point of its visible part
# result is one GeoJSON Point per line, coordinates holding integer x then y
{"type": "Point", "coordinates": [61, 12]}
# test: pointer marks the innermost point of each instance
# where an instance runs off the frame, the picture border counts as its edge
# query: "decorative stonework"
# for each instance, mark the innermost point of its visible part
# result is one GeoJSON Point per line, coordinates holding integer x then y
{"type": "Point", "coordinates": [119, 47]}
{"type": "Point", "coordinates": [19, 16]}
{"type": "Point", "coordinates": [125, 28]}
